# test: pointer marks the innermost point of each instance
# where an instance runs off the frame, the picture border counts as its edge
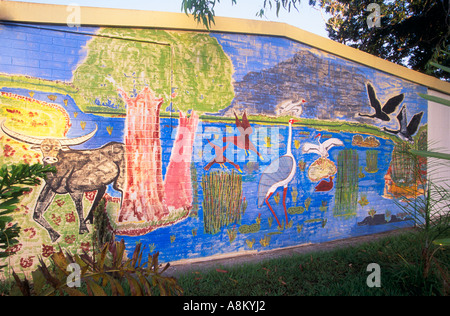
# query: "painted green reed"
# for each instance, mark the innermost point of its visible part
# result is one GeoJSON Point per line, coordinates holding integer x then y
{"type": "Point", "coordinates": [223, 201]}
{"type": "Point", "coordinates": [372, 161]}
{"type": "Point", "coordinates": [402, 166]}
{"type": "Point", "coordinates": [347, 186]}
{"type": "Point", "coordinates": [195, 204]}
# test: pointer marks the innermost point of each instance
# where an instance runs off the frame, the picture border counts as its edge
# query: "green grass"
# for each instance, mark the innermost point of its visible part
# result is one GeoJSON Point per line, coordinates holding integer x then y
{"type": "Point", "coordinates": [341, 272]}
{"type": "Point", "coordinates": [335, 273]}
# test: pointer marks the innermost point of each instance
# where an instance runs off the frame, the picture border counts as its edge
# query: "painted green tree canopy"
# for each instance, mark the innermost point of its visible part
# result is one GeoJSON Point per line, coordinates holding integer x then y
{"type": "Point", "coordinates": [139, 57]}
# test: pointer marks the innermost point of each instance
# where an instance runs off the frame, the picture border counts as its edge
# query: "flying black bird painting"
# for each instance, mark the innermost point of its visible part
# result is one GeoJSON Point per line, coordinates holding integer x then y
{"type": "Point", "coordinates": [406, 130]}
{"type": "Point", "coordinates": [389, 107]}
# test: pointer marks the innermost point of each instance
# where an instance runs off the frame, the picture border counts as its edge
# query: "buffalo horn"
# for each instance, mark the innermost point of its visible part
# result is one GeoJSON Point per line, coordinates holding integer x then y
{"type": "Point", "coordinates": [77, 140]}
{"type": "Point", "coordinates": [20, 137]}
{"type": "Point", "coordinates": [38, 140]}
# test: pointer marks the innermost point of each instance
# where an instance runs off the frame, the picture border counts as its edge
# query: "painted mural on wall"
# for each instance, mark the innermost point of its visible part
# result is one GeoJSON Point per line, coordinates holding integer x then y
{"type": "Point", "coordinates": [200, 144]}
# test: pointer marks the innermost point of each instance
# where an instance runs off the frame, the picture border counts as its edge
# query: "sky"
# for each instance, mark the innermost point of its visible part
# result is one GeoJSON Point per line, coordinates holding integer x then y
{"type": "Point", "coordinates": [307, 18]}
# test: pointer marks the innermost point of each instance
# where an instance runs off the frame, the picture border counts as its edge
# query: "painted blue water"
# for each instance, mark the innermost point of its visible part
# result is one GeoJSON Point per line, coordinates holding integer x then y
{"type": "Point", "coordinates": [189, 239]}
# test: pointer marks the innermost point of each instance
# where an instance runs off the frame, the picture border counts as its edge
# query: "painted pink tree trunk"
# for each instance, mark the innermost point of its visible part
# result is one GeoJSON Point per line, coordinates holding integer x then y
{"type": "Point", "coordinates": [178, 177]}
{"type": "Point", "coordinates": [143, 198]}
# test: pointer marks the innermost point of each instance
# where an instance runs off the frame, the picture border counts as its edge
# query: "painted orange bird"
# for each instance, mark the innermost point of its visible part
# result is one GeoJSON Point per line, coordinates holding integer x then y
{"type": "Point", "coordinates": [220, 158]}
{"type": "Point", "coordinates": [243, 140]}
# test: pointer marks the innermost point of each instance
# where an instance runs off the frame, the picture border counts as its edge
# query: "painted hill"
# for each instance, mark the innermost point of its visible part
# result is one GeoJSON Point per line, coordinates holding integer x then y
{"type": "Point", "coordinates": [323, 83]}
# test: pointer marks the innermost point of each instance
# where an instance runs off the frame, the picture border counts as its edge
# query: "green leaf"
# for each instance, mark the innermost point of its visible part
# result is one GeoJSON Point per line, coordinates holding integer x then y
{"type": "Point", "coordinates": [6, 219]}
{"type": "Point", "coordinates": [60, 261]}
{"type": "Point", "coordinates": [94, 289]}
{"type": "Point", "coordinates": [5, 213]}
{"type": "Point", "coordinates": [50, 279]}
{"type": "Point", "coordinates": [135, 288]}
{"type": "Point", "coordinates": [116, 288]}
{"type": "Point", "coordinates": [447, 69]}
{"type": "Point", "coordinates": [442, 242]}
{"type": "Point", "coordinates": [435, 99]}
{"type": "Point", "coordinates": [101, 262]}
{"type": "Point", "coordinates": [73, 292]}
{"type": "Point", "coordinates": [9, 204]}
{"type": "Point", "coordinates": [38, 281]}
{"type": "Point", "coordinates": [184, 6]}
{"type": "Point", "coordinates": [145, 284]}
{"type": "Point", "coordinates": [430, 154]}
{"type": "Point", "coordinates": [24, 285]}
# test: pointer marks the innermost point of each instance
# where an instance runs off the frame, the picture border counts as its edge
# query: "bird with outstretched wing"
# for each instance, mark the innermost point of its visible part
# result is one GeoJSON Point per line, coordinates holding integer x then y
{"type": "Point", "coordinates": [220, 158]}
{"type": "Point", "coordinates": [406, 131]}
{"type": "Point", "coordinates": [389, 107]}
{"type": "Point", "coordinates": [243, 140]}
{"type": "Point", "coordinates": [321, 148]}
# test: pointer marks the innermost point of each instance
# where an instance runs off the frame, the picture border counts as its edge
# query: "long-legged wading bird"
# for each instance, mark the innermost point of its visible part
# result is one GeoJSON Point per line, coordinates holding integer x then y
{"type": "Point", "coordinates": [389, 107]}
{"type": "Point", "coordinates": [406, 130]}
{"type": "Point", "coordinates": [278, 174]}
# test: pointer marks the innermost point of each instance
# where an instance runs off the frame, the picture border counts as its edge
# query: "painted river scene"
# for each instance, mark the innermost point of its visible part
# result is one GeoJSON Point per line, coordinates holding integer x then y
{"type": "Point", "coordinates": [205, 144]}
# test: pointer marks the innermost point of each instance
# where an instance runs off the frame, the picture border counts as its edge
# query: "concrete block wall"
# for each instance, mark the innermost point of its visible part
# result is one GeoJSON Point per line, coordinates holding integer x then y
{"type": "Point", "coordinates": [188, 138]}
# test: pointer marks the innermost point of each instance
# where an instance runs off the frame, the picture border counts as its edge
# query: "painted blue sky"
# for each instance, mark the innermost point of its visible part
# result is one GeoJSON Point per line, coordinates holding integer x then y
{"type": "Point", "coordinates": [41, 52]}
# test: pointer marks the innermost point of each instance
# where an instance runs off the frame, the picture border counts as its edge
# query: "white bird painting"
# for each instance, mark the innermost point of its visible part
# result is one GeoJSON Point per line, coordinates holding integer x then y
{"type": "Point", "coordinates": [321, 148]}
{"type": "Point", "coordinates": [290, 107]}
{"type": "Point", "coordinates": [278, 174]}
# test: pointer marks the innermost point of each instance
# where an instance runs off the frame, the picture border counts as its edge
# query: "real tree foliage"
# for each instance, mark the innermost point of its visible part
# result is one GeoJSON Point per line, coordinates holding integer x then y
{"type": "Point", "coordinates": [15, 181]}
{"type": "Point", "coordinates": [203, 10]}
{"type": "Point", "coordinates": [411, 32]}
